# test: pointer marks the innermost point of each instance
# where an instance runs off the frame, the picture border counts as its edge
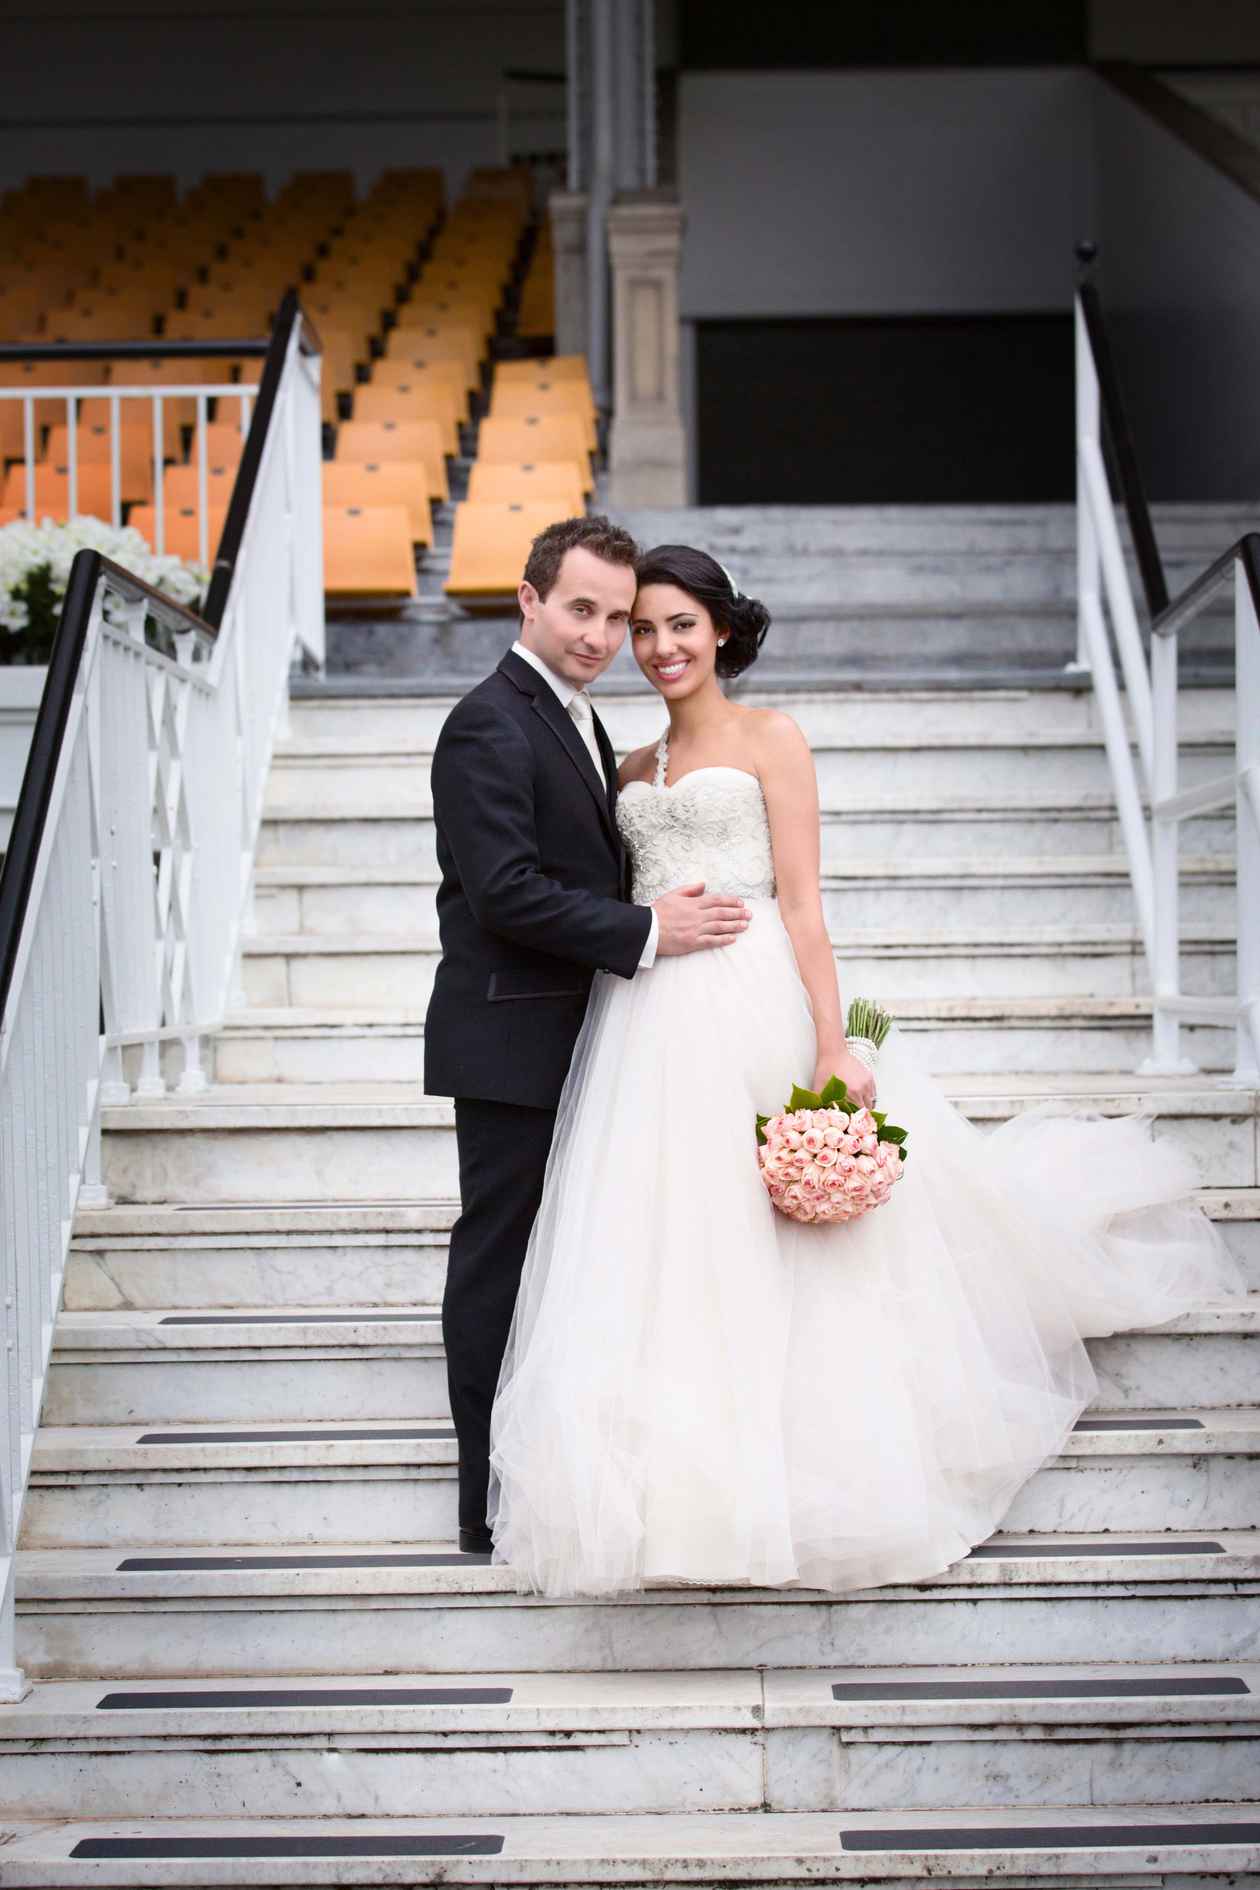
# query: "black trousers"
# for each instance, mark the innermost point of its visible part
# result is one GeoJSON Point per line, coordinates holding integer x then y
{"type": "Point", "coordinates": [503, 1150]}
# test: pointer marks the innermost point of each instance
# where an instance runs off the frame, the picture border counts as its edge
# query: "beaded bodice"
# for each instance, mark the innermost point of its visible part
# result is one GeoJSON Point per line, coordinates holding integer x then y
{"type": "Point", "coordinates": [710, 826]}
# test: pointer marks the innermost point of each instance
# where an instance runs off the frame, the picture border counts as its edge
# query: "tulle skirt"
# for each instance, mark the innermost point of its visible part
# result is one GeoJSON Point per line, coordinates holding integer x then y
{"type": "Point", "coordinates": [696, 1389]}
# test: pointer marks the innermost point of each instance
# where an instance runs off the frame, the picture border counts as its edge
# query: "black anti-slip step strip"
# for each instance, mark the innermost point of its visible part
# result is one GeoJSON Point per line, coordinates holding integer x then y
{"type": "Point", "coordinates": [1207, 1685]}
{"type": "Point", "coordinates": [298, 1437]}
{"type": "Point", "coordinates": [1139, 1424]}
{"type": "Point", "coordinates": [477, 1845]}
{"type": "Point", "coordinates": [997, 1551]}
{"type": "Point", "coordinates": [304, 1696]}
{"type": "Point", "coordinates": [1049, 1837]}
{"type": "Point", "coordinates": [302, 1319]}
{"type": "Point", "coordinates": [163, 1564]}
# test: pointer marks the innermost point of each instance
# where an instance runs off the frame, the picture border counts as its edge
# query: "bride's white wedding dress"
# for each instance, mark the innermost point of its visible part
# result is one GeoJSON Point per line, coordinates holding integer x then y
{"type": "Point", "coordinates": [697, 1389]}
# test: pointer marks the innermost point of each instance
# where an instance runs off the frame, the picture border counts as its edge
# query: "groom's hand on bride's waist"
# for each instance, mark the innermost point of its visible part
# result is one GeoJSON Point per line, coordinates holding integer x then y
{"type": "Point", "coordinates": [692, 920]}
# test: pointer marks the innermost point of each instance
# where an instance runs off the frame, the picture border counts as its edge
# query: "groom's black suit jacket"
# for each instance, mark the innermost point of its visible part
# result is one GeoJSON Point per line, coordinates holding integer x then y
{"type": "Point", "coordinates": [534, 896]}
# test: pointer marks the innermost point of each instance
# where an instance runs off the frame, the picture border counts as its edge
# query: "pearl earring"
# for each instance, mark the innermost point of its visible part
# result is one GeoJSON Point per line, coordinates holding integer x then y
{"type": "Point", "coordinates": [722, 640]}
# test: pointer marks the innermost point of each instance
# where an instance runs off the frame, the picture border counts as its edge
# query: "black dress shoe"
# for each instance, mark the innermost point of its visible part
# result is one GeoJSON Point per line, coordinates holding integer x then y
{"type": "Point", "coordinates": [475, 1541]}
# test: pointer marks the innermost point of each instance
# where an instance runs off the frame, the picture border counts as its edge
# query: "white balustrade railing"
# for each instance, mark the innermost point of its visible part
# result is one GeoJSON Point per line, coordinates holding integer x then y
{"type": "Point", "coordinates": [131, 412]}
{"type": "Point", "coordinates": [1143, 747]}
{"type": "Point", "coordinates": [128, 883]}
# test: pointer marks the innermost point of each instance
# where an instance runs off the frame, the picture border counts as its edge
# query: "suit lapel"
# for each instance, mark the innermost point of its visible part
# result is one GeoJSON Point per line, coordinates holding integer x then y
{"type": "Point", "coordinates": [547, 705]}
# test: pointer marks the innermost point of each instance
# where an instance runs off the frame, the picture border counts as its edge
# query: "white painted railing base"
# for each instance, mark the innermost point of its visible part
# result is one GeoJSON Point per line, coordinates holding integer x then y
{"type": "Point", "coordinates": [1148, 802]}
{"type": "Point", "coordinates": [140, 886]}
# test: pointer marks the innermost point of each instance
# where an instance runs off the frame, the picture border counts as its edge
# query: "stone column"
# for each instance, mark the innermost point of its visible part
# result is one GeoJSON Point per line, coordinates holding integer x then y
{"type": "Point", "coordinates": [568, 236]}
{"type": "Point", "coordinates": [647, 458]}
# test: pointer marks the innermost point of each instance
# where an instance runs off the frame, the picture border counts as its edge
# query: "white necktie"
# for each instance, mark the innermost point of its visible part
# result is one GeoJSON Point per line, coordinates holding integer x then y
{"type": "Point", "coordinates": [584, 715]}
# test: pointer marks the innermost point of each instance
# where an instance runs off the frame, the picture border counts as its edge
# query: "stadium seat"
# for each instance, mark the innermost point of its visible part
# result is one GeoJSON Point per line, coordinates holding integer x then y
{"type": "Point", "coordinates": [518, 400]}
{"type": "Point", "coordinates": [500, 482]}
{"type": "Point", "coordinates": [367, 551]}
{"type": "Point", "coordinates": [52, 491]}
{"type": "Point", "coordinates": [224, 443]}
{"type": "Point", "coordinates": [535, 437]}
{"type": "Point", "coordinates": [383, 482]}
{"type": "Point", "coordinates": [413, 400]}
{"type": "Point", "coordinates": [181, 486]}
{"type": "Point", "coordinates": [393, 369]}
{"type": "Point", "coordinates": [94, 446]}
{"type": "Point", "coordinates": [491, 545]}
{"type": "Point", "coordinates": [181, 532]}
{"type": "Point", "coordinates": [367, 442]}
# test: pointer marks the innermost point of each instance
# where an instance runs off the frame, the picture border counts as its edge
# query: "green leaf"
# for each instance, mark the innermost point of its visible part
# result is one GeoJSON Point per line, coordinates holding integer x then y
{"type": "Point", "coordinates": [762, 1137]}
{"type": "Point", "coordinates": [804, 1099]}
{"type": "Point", "coordinates": [892, 1134]}
{"type": "Point", "coordinates": [880, 1117]}
{"type": "Point", "coordinates": [903, 1154]}
{"type": "Point", "coordinates": [835, 1092]}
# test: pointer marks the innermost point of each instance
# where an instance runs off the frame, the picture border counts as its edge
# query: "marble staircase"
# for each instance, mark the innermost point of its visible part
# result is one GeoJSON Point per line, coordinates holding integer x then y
{"type": "Point", "coordinates": [257, 1657]}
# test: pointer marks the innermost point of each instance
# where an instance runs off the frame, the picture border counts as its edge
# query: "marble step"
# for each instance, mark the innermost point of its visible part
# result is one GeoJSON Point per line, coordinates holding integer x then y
{"type": "Point", "coordinates": [752, 531]}
{"type": "Point", "coordinates": [899, 894]}
{"type": "Point", "coordinates": [303, 777]}
{"type": "Point", "coordinates": [831, 1739]}
{"type": "Point", "coordinates": [1121, 1846]}
{"type": "Point", "coordinates": [393, 1480]}
{"type": "Point", "coordinates": [370, 1362]}
{"type": "Point", "coordinates": [256, 1142]}
{"type": "Point", "coordinates": [331, 726]}
{"type": "Point", "coordinates": [131, 1611]}
{"type": "Point", "coordinates": [310, 969]}
{"type": "Point", "coordinates": [870, 828]}
{"type": "Point", "coordinates": [341, 1255]}
{"type": "Point", "coordinates": [953, 1036]}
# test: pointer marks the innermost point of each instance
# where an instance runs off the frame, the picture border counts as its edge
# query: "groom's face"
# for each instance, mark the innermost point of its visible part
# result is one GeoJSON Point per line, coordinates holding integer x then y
{"type": "Point", "coordinates": [581, 624]}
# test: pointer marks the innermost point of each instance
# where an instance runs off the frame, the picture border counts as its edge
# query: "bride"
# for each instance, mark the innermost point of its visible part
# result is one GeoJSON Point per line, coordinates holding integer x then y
{"type": "Point", "coordinates": [696, 1389]}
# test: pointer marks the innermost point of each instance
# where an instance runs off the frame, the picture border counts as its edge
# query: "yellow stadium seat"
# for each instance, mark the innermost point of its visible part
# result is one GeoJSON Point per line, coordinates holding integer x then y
{"type": "Point", "coordinates": [499, 482]}
{"type": "Point", "coordinates": [367, 551]}
{"type": "Point", "coordinates": [181, 486]}
{"type": "Point", "coordinates": [383, 482]}
{"type": "Point", "coordinates": [538, 436]}
{"type": "Point", "coordinates": [491, 545]}
{"type": "Point", "coordinates": [94, 446]}
{"type": "Point", "coordinates": [518, 400]}
{"type": "Point", "coordinates": [412, 400]}
{"type": "Point", "coordinates": [52, 491]}
{"type": "Point", "coordinates": [46, 374]}
{"type": "Point", "coordinates": [367, 442]}
{"type": "Point", "coordinates": [455, 343]}
{"type": "Point", "coordinates": [224, 444]}
{"type": "Point", "coordinates": [550, 367]}
{"type": "Point", "coordinates": [182, 535]}
{"type": "Point", "coordinates": [392, 369]}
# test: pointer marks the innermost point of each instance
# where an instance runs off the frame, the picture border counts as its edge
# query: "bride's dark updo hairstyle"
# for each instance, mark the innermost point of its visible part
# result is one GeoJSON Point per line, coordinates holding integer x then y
{"type": "Point", "coordinates": [702, 577]}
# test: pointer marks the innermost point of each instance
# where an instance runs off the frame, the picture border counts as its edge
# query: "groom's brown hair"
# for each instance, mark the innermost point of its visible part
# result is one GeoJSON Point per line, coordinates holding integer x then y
{"type": "Point", "coordinates": [596, 534]}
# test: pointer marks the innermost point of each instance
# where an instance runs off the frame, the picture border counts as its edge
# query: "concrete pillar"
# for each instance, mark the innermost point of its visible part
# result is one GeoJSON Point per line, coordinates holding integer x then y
{"type": "Point", "coordinates": [568, 235]}
{"type": "Point", "coordinates": [647, 457]}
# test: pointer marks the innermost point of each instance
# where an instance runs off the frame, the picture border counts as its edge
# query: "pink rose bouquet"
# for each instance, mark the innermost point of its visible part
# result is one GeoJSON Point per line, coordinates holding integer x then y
{"type": "Point", "coordinates": [823, 1158]}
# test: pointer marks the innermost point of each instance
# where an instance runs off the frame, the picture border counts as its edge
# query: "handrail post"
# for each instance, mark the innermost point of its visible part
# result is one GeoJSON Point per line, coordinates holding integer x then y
{"type": "Point", "coordinates": [1088, 563]}
{"type": "Point", "coordinates": [1165, 955]}
{"type": "Point", "coordinates": [1247, 817]}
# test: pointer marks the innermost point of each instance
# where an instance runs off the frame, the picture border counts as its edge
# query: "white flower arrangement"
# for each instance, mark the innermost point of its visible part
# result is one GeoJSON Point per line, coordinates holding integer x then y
{"type": "Point", "coordinates": [35, 565]}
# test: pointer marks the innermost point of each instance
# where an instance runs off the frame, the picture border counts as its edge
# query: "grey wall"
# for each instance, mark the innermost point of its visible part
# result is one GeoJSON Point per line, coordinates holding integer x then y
{"type": "Point", "coordinates": [101, 86]}
{"type": "Point", "coordinates": [830, 193]}
{"type": "Point", "coordinates": [1179, 273]}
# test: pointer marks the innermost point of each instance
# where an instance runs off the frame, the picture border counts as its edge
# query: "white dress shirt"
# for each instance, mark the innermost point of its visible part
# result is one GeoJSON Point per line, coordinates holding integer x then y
{"type": "Point", "coordinates": [565, 692]}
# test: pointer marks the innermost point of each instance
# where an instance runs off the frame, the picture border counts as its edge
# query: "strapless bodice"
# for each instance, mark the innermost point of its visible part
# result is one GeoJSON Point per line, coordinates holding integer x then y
{"type": "Point", "coordinates": [710, 826]}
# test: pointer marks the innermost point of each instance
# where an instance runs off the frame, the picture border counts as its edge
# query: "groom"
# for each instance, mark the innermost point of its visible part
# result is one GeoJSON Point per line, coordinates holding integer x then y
{"type": "Point", "coordinates": [534, 899]}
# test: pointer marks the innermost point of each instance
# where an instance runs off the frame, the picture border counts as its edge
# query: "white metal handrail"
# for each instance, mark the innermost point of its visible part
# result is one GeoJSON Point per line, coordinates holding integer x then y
{"type": "Point", "coordinates": [1149, 802]}
{"type": "Point", "coordinates": [128, 883]}
{"type": "Point", "coordinates": [237, 399]}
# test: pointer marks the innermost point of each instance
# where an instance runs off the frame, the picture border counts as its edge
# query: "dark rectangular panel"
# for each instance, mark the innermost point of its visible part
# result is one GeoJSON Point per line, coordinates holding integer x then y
{"type": "Point", "coordinates": [297, 1845]}
{"type": "Point", "coordinates": [1048, 1837]}
{"type": "Point", "coordinates": [1207, 1685]}
{"type": "Point", "coordinates": [167, 1564]}
{"type": "Point", "coordinates": [297, 1437]}
{"type": "Point", "coordinates": [1139, 1424]}
{"type": "Point", "coordinates": [300, 1319]}
{"type": "Point", "coordinates": [818, 33]}
{"type": "Point", "coordinates": [221, 1697]}
{"type": "Point", "coordinates": [892, 410]}
{"type": "Point", "coordinates": [1118, 1547]}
